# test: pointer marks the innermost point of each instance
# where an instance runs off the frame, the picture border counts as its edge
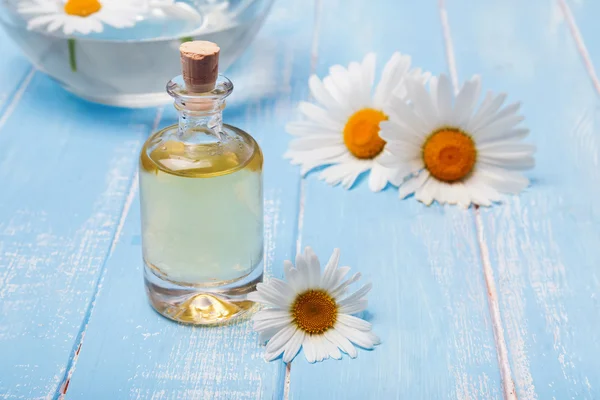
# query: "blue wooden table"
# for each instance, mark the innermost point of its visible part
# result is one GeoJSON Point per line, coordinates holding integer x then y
{"type": "Point", "coordinates": [470, 304]}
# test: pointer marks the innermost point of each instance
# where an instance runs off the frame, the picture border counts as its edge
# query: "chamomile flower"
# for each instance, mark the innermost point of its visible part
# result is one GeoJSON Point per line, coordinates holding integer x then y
{"type": "Point", "coordinates": [77, 16]}
{"type": "Point", "coordinates": [312, 311]}
{"type": "Point", "coordinates": [452, 152]}
{"type": "Point", "coordinates": [342, 129]}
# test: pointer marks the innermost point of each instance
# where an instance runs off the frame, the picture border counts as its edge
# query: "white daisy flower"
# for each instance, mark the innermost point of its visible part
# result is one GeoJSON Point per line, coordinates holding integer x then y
{"type": "Point", "coordinates": [452, 152]}
{"type": "Point", "coordinates": [78, 16]}
{"type": "Point", "coordinates": [311, 311]}
{"type": "Point", "coordinates": [342, 131]}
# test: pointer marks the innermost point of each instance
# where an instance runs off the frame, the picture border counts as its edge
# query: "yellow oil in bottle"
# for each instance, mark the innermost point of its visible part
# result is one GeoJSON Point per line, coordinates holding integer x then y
{"type": "Point", "coordinates": [202, 220]}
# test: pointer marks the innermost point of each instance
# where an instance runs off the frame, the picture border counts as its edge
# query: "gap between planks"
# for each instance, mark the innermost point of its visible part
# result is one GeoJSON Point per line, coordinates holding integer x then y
{"type": "Point", "coordinates": [16, 96]}
{"type": "Point", "coordinates": [314, 55]}
{"type": "Point", "coordinates": [63, 386]}
{"type": "Point", "coordinates": [508, 384]}
{"type": "Point", "coordinates": [580, 44]}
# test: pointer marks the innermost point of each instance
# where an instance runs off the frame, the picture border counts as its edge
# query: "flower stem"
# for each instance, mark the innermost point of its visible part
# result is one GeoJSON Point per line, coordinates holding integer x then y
{"type": "Point", "coordinates": [72, 58]}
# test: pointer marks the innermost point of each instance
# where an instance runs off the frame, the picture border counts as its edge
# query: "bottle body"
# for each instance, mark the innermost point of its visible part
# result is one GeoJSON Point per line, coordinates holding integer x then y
{"type": "Point", "coordinates": [201, 226]}
{"type": "Point", "coordinates": [202, 221]}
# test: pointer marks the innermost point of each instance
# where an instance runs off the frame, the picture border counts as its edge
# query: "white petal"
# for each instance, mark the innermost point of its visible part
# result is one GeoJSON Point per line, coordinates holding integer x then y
{"type": "Point", "coordinates": [404, 151]}
{"type": "Point", "coordinates": [314, 267]}
{"type": "Point", "coordinates": [339, 289]}
{"type": "Point", "coordinates": [338, 277]}
{"type": "Point", "coordinates": [368, 72]}
{"type": "Point", "coordinates": [341, 342]}
{"type": "Point", "coordinates": [317, 158]}
{"type": "Point", "coordinates": [401, 113]}
{"type": "Point", "coordinates": [57, 24]}
{"type": "Point", "coordinates": [378, 178]}
{"type": "Point", "coordinates": [302, 268]}
{"type": "Point", "coordinates": [323, 96]}
{"type": "Point", "coordinates": [483, 185]}
{"type": "Point", "coordinates": [277, 343]}
{"type": "Point", "coordinates": [268, 324]}
{"type": "Point", "coordinates": [360, 338]}
{"type": "Point", "coordinates": [308, 128]}
{"type": "Point", "coordinates": [341, 97]}
{"type": "Point", "coordinates": [512, 161]}
{"type": "Point", "coordinates": [477, 196]}
{"type": "Point", "coordinates": [444, 99]}
{"type": "Point", "coordinates": [451, 195]}
{"type": "Point", "coordinates": [436, 190]}
{"type": "Point", "coordinates": [293, 346]}
{"type": "Point", "coordinates": [355, 307]}
{"type": "Point", "coordinates": [342, 82]}
{"type": "Point", "coordinates": [426, 191]}
{"type": "Point", "coordinates": [346, 173]}
{"type": "Point", "coordinates": [508, 146]}
{"type": "Point", "coordinates": [40, 21]}
{"type": "Point", "coordinates": [330, 269]}
{"type": "Point", "coordinates": [433, 83]}
{"type": "Point", "coordinates": [272, 295]}
{"type": "Point", "coordinates": [330, 348]}
{"type": "Point", "coordinates": [289, 272]}
{"type": "Point", "coordinates": [282, 287]}
{"type": "Point", "coordinates": [260, 298]}
{"type": "Point", "coordinates": [392, 77]}
{"type": "Point", "coordinates": [269, 314]}
{"type": "Point", "coordinates": [422, 102]}
{"type": "Point", "coordinates": [309, 349]}
{"type": "Point", "coordinates": [465, 101]}
{"type": "Point", "coordinates": [462, 195]}
{"type": "Point", "coordinates": [360, 96]}
{"type": "Point", "coordinates": [513, 134]}
{"type": "Point", "coordinates": [359, 294]}
{"type": "Point", "coordinates": [354, 322]}
{"type": "Point", "coordinates": [374, 338]}
{"type": "Point", "coordinates": [502, 180]}
{"type": "Point", "coordinates": [320, 349]}
{"type": "Point", "coordinates": [267, 334]}
{"type": "Point", "coordinates": [320, 116]}
{"type": "Point", "coordinates": [498, 128]}
{"type": "Point", "coordinates": [394, 131]}
{"type": "Point", "coordinates": [315, 142]}
{"type": "Point", "coordinates": [442, 192]}
{"type": "Point", "coordinates": [486, 112]}
{"type": "Point", "coordinates": [413, 184]}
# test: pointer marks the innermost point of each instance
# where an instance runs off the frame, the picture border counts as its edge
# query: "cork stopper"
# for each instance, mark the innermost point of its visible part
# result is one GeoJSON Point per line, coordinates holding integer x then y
{"type": "Point", "coordinates": [199, 65]}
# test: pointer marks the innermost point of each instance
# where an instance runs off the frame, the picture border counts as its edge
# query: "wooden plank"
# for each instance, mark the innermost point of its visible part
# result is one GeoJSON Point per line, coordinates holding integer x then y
{"type": "Point", "coordinates": [429, 299]}
{"type": "Point", "coordinates": [146, 356]}
{"type": "Point", "coordinates": [65, 168]}
{"type": "Point", "coordinates": [543, 244]}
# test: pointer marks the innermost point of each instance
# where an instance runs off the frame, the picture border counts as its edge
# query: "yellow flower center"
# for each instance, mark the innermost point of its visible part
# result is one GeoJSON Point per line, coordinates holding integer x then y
{"type": "Point", "coordinates": [361, 133]}
{"type": "Point", "coordinates": [449, 154]}
{"type": "Point", "coordinates": [82, 8]}
{"type": "Point", "coordinates": [314, 311]}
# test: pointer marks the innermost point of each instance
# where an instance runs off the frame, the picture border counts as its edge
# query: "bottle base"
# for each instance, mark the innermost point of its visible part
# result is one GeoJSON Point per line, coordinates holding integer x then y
{"type": "Point", "coordinates": [201, 305]}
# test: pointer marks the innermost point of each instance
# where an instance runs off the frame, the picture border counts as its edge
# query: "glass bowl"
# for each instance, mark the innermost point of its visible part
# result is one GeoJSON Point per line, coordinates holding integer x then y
{"type": "Point", "coordinates": [130, 66]}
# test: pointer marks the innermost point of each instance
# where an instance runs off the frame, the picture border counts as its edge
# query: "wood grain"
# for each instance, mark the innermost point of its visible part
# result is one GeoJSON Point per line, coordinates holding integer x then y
{"type": "Point", "coordinates": [15, 77]}
{"type": "Point", "coordinates": [466, 302]}
{"type": "Point", "coordinates": [429, 298]}
{"type": "Point", "coordinates": [543, 244]}
{"type": "Point", "coordinates": [65, 169]}
{"type": "Point", "coordinates": [146, 356]}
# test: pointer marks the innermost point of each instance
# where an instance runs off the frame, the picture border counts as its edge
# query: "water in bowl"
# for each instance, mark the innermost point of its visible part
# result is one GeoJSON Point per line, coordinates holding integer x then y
{"type": "Point", "coordinates": [130, 67]}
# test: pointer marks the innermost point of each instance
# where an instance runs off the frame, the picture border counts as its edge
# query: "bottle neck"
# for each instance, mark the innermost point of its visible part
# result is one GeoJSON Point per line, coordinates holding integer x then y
{"type": "Point", "coordinates": [204, 118]}
{"type": "Point", "coordinates": [200, 114]}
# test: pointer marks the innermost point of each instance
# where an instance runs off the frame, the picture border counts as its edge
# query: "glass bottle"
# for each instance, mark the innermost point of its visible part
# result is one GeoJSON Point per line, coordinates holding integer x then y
{"type": "Point", "coordinates": [201, 206]}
